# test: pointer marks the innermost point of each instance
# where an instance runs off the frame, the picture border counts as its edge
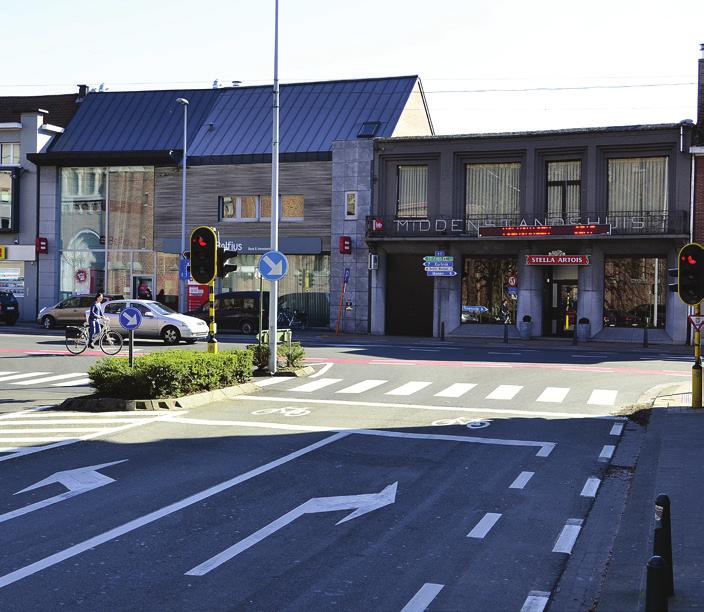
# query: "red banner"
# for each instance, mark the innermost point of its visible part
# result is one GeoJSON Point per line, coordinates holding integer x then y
{"type": "Point", "coordinates": [557, 260]}
{"type": "Point", "coordinates": [197, 296]}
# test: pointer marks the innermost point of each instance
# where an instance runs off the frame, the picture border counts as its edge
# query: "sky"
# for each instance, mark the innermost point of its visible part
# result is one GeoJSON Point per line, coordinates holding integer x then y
{"type": "Point", "coordinates": [486, 66]}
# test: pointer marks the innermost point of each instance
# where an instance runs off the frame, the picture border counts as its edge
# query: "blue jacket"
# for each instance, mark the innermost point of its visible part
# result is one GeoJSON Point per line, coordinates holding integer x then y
{"type": "Point", "coordinates": [95, 311]}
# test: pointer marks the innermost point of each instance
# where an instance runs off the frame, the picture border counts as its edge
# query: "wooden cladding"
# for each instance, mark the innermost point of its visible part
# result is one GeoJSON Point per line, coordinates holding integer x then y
{"type": "Point", "coordinates": [206, 184]}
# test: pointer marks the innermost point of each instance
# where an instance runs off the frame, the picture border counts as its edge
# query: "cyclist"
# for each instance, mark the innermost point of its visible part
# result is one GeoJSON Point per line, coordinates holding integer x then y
{"type": "Point", "coordinates": [94, 317]}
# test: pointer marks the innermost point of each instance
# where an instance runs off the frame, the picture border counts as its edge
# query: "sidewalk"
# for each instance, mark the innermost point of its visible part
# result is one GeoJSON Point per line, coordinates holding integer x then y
{"type": "Point", "coordinates": [670, 461]}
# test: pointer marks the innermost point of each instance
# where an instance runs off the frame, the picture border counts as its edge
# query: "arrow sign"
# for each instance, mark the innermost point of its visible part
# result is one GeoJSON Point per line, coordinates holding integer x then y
{"type": "Point", "coordinates": [429, 272]}
{"type": "Point", "coordinates": [130, 318]}
{"type": "Point", "coordinates": [361, 504]}
{"type": "Point", "coordinates": [273, 265]}
{"type": "Point", "coordinates": [78, 481]}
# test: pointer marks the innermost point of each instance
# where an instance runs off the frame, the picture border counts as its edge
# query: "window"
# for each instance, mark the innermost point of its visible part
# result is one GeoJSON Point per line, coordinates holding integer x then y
{"type": "Point", "coordinates": [412, 193]}
{"type": "Point", "coordinates": [258, 207]}
{"type": "Point", "coordinates": [493, 189]}
{"type": "Point", "coordinates": [485, 283]}
{"type": "Point", "coordinates": [351, 204]}
{"type": "Point", "coordinates": [638, 185]}
{"type": "Point", "coordinates": [6, 200]}
{"type": "Point", "coordinates": [114, 308]}
{"type": "Point", "coordinates": [9, 153]}
{"type": "Point", "coordinates": [563, 189]}
{"type": "Point", "coordinates": [635, 291]}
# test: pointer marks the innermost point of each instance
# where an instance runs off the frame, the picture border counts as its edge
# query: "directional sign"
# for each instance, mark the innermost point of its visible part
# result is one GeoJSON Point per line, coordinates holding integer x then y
{"type": "Point", "coordinates": [273, 265]}
{"type": "Point", "coordinates": [439, 269]}
{"type": "Point", "coordinates": [438, 258]}
{"type": "Point", "coordinates": [130, 318]}
{"type": "Point", "coordinates": [361, 504]}
{"type": "Point", "coordinates": [347, 275]}
{"type": "Point", "coordinates": [435, 264]}
{"type": "Point", "coordinates": [78, 481]}
{"type": "Point", "coordinates": [183, 269]}
{"type": "Point", "coordinates": [440, 273]}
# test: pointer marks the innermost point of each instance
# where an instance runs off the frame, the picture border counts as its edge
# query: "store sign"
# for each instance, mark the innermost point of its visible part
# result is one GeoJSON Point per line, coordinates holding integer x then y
{"type": "Point", "coordinates": [557, 260]}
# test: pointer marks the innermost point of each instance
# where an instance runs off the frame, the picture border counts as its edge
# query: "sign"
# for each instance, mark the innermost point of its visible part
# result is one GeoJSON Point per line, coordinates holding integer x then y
{"type": "Point", "coordinates": [557, 260]}
{"type": "Point", "coordinates": [430, 272]}
{"type": "Point", "coordinates": [130, 318]}
{"type": "Point", "coordinates": [257, 245]}
{"type": "Point", "coordinates": [445, 258]}
{"type": "Point", "coordinates": [512, 281]}
{"type": "Point", "coordinates": [41, 245]}
{"type": "Point", "coordinates": [697, 321]}
{"type": "Point", "coordinates": [539, 231]}
{"type": "Point", "coordinates": [197, 296]}
{"type": "Point", "coordinates": [347, 275]}
{"type": "Point", "coordinates": [273, 265]}
{"type": "Point", "coordinates": [183, 269]}
{"type": "Point", "coordinates": [512, 291]}
{"type": "Point", "coordinates": [439, 253]}
{"type": "Point", "coordinates": [439, 264]}
{"type": "Point", "coordinates": [81, 276]}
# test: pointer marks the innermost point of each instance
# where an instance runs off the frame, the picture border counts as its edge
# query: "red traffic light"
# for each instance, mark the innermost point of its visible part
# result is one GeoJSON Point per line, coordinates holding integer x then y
{"type": "Point", "coordinates": [691, 274]}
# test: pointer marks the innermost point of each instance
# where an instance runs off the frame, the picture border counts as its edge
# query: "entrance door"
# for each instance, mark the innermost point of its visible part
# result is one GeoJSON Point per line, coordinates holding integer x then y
{"type": "Point", "coordinates": [565, 300]}
{"type": "Point", "coordinates": [142, 287]}
{"type": "Point", "coordinates": [409, 297]}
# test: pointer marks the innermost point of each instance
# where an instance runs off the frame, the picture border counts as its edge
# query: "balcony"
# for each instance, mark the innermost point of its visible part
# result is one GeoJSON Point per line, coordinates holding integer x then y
{"type": "Point", "coordinates": [646, 224]}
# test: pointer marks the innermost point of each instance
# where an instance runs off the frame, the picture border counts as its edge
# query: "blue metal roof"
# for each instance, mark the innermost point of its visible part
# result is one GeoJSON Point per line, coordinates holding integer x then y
{"type": "Point", "coordinates": [235, 121]}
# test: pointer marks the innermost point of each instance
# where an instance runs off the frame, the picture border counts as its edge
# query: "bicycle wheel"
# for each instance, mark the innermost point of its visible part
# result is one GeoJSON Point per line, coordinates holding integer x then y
{"type": "Point", "coordinates": [77, 343]}
{"type": "Point", "coordinates": [111, 343]}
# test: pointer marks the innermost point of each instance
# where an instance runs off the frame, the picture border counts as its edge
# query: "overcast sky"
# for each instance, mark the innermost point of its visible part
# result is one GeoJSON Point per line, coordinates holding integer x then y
{"type": "Point", "coordinates": [595, 63]}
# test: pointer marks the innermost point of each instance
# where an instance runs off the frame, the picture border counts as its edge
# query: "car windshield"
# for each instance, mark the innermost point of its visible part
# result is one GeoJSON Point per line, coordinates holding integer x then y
{"type": "Point", "coordinates": [160, 308]}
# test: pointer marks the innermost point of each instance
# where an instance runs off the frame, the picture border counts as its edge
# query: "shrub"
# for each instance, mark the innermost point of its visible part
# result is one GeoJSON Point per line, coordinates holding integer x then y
{"type": "Point", "coordinates": [170, 374]}
{"type": "Point", "coordinates": [290, 358]}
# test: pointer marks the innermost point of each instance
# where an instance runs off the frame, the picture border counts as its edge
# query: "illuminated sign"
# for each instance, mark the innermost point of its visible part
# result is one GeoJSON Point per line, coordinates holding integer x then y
{"type": "Point", "coordinates": [539, 231]}
{"type": "Point", "coordinates": [557, 260]}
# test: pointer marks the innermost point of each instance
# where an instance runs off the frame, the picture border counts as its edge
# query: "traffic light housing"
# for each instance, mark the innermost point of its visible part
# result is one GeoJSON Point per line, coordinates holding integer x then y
{"type": "Point", "coordinates": [223, 268]}
{"type": "Point", "coordinates": [690, 267]}
{"type": "Point", "coordinates": [204, 254]}
{"type": "Point", "coordinates": [345, 245]}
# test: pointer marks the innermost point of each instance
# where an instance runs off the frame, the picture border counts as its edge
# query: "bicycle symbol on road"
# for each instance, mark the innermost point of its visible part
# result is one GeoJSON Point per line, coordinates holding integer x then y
{"type": "Point", "coordinates": [469, 423]}
{"type": "Point", "coordinates": [287, 411]}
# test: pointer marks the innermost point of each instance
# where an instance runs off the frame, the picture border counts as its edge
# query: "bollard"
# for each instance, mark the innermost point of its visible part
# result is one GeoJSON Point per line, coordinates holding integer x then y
{"type": "Point", "coordinates": [442, 330]}
{"type": "Point", "coordinates": [574, 337]}
{"type": "Point", "coordinates": [662, 541]}
{"type": "Point", "coordinates": [655, 597]}
{"type": "Point", "coordinates": [645, 336]}
{"type": "Point", "coordinates": [505, 332]}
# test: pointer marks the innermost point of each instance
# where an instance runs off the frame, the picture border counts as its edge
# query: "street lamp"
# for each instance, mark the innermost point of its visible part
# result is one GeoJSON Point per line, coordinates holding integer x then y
{"type": "Point", "coordinates": [182, 280]}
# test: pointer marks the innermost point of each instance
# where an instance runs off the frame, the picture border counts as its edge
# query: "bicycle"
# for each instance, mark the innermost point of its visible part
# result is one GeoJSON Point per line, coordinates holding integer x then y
{"type": "Point", "coordinates": [110, 341]}
{"type": "Point", "coordinates": [293, 319]}
{"type": "Point", "coordinates": [469, 423]}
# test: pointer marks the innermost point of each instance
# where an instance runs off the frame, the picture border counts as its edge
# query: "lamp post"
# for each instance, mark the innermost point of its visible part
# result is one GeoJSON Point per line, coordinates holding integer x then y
{"type": "Point", "coordinates": [182, 280]}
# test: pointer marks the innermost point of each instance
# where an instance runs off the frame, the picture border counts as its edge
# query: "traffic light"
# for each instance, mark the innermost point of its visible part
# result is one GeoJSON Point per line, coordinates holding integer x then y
{"type": "Point", "coordinates": [690, 268]}
{"type": "Point", "coordinates": [223, 268]}
{"type": "Point", "coordinates": [345, 245]}
{"type": "Point", "coordinates": [204, 253]}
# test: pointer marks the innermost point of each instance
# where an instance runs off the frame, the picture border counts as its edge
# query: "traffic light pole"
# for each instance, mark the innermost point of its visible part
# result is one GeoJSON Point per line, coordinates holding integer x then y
{"type": "Point", "coordinates": [212, 329]}
{"type": "Point", "coordinates": [697, 367]}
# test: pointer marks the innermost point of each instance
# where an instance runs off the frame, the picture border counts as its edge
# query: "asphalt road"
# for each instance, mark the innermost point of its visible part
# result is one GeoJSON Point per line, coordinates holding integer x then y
{"type": "Point", "coordinates": [397, 477]}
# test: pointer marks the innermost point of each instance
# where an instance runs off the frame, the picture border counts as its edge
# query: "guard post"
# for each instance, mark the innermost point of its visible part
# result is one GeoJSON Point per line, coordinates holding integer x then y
{"type": "Point", "coordinates": [697, 367]}
{"type": "Point", "coordinates": [212, 326]}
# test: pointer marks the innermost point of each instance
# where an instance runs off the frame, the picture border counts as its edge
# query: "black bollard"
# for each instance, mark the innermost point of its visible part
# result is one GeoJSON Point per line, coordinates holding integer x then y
{"type": "Point", "coordinates": [655, 596]}
{"type": "Point", "coordinates": [645, 336]}
{"type": "Point", "coordinates": [505, 332]}
{"type": "Point", "coordinates": [662, 540]}
{"type": "Point", "coordinates": [574, 337]}
{"type": "Point", "coordinates": [442, 330]}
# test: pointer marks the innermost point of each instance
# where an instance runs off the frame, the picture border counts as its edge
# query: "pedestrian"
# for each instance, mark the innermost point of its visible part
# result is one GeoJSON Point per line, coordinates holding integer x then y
{"type": "Point", "coordinates": [143, 290]}
{"type": "Point", "coordinates": [94, 316]}
{"type": "Point", "coordinates": [505, 312]}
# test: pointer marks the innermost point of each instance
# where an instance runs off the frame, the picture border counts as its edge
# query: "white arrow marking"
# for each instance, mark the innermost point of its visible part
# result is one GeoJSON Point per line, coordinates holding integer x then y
{"type": "Point", "coordinates": [78, 481]}
{"type": "Point", "coordinates": [361, 504]}
{"type": "Point", "coordinates": [275, 269]}
{"type": "Point", "coordinates": [131, 320]}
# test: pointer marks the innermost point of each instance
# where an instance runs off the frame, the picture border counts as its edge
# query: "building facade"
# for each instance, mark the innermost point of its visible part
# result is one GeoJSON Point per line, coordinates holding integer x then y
{"type": "Point", "coordinates": [110, 187]}
{"type": "Point", "coordinates": [554, 228]}
{"type": "Point", "coordinates": [27, 125]}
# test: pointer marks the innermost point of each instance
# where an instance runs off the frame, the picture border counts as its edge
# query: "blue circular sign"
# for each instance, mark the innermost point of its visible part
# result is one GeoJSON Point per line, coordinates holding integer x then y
{"type": "Point", "coordinates": [273, 265]}
{"type": "Point", "coordinates": [130, 318]}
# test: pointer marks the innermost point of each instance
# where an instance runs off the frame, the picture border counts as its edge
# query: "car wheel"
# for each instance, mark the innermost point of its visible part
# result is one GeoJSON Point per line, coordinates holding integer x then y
{"type": "Point", "coordinates": [170, 335]}
{"type": "Point", "coordinates": [48, 322]}
{"type": "Point", "coordinates": [247, 328]}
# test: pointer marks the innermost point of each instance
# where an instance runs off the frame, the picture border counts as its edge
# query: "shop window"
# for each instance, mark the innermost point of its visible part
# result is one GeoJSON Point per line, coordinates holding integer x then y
{"type": "Point", "coordinates": [635, 291]}
{"type": "Point", "coordinates": [412, 192]}
{"type": "Point", "coordinates": [563, 189]}
{"type": "Point", "coordinates": [493, 190]}
{"type": "Point", "coordinates": [486, 290]}
{"type": "Point", "coordinates": [9, 153]}
{"type": "Point", "coordinates": [258, 207]}
{"type": "Point", "coordinates": [7, 202]}
{"type": "Point", "coordinates": [637, 186]}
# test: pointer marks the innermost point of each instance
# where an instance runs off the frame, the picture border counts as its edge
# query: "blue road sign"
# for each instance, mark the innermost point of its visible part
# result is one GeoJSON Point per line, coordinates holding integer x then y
{"type": "Point", "coordinates": [273, 265]}
{"type": "Point", "coordinates": [441, 273]}
{"type": "Point", "coordinates": [183, 269]}
{"type": "Point", "coordinates": [130, 318]}
{"type": "Point", "coordinates": [347, 275]}
{"type": "Point", "coordinates": [512, 290]}
{"type": "Point", "coordinates": [439, 253]}
{"type": "Point", "coordinates": [437, 264]}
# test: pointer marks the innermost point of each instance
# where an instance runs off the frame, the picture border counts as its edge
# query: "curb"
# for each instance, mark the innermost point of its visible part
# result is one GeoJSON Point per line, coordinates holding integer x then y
{"type": "Point", "coordinates": [114, 404]}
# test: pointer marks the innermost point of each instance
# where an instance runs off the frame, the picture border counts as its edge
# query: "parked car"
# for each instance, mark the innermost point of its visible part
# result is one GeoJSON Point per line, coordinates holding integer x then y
{"type": "Point", "coordinates": [71, 311]}
{"type": "Point", "coordinates": [158, 321]}
{"type": "Point", "coordinates": [237, 310]}
{"type": "Point", "coordinates": [9, 308]}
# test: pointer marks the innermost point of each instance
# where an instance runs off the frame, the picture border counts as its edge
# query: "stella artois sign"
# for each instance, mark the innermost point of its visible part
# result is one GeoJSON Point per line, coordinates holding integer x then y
{"type": "Point", "coordinates": [557, 260]}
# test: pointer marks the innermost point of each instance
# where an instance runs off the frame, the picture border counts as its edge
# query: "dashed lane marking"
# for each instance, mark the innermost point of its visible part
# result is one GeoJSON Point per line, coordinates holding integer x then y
{"type": "Point", "coordinates": [484, 526]}
{"type": "Point", "coordinates": [568, 536]}
{"type": "Point", "coordinates": [423, 598]}
{"type": "Point", "coordinates": [616, 429]}
{"type": "Point", "coordinates": [590, 487]}
{"type": "Point", "coordinates": [536, 601]}
{"type": "Point", "coordinates": [607, 452]}
{"type": "Point", "coordinates": [521, 480]}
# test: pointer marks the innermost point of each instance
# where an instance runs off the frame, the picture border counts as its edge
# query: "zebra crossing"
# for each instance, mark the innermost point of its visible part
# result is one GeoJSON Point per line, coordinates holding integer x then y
{"type": "Point", "coordinates": [474, 391]}
{"type": "Point", "coordinates": [43, 379]}
{"type": "Point", "coordinates": [38, 429]}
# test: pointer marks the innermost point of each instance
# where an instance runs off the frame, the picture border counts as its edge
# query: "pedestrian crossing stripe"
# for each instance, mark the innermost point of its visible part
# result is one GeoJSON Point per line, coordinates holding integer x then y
{"type": "Point", "coordinates": [554, 395]}
{"type": "Point", "coordinates": [25, 379]}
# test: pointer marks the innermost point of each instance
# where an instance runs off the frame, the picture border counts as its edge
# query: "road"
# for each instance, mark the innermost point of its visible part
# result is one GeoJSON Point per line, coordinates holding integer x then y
{"type": "Point", "coordinates": [396, 477]}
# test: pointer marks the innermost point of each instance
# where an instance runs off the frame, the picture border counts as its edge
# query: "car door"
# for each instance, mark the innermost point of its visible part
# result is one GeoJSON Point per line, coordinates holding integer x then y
{"type": "Point", "coordinates": [112, 311]}
{"type": "Point", "coordinates": [66, 311]}
{"type": "Point", "coordinates": [84, 305]}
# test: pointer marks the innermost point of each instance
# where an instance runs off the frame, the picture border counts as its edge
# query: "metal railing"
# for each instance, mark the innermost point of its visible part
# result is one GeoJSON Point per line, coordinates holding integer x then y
{"type": "Point", "coordinates": [622, 224]}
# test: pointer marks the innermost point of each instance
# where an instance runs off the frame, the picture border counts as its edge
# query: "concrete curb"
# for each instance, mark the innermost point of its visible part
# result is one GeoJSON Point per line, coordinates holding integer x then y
{"type": "Point", "coordinates": [109, 404]}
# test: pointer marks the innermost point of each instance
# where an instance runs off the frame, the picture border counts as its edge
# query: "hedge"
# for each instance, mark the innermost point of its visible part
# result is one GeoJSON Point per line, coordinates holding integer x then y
{"type": "Point", "coordinates": [170, 374]}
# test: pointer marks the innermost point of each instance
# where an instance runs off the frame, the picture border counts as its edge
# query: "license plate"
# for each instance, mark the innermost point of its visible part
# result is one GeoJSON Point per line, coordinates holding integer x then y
{"type": "Point", "coordinates": [10, 308]}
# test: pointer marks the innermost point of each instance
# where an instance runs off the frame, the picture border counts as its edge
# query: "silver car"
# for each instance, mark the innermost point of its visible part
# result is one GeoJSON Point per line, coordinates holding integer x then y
{"type": "Point", "coordinates": [158, 321]}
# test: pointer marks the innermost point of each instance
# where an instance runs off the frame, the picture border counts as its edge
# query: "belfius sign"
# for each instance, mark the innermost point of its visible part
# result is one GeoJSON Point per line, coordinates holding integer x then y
{"type": "Point", "coordinates": [557, 260]}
